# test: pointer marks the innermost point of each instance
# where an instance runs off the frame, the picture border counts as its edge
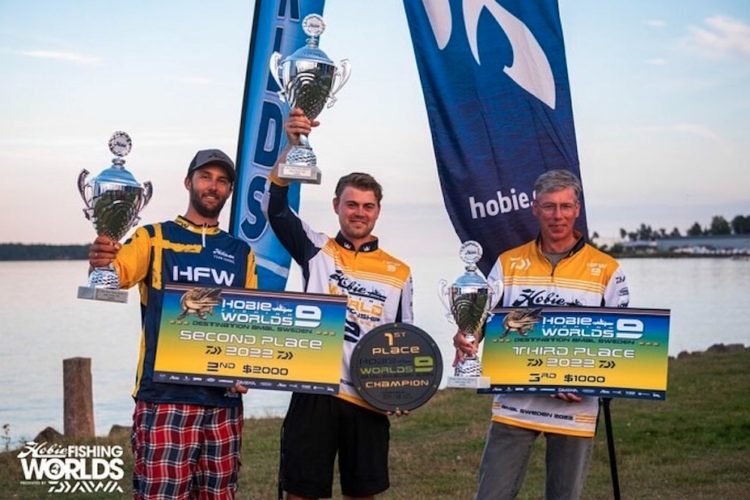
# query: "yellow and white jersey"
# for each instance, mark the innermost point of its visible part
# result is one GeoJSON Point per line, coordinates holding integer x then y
{"type": "Point", "coordinates": [584, 277]}
{"type": "Point", "coordinates": [377, 285]}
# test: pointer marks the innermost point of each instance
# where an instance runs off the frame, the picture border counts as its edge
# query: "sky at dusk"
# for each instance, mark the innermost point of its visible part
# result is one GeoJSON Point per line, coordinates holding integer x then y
{"type": "Point", "coordinates": [661, 99]}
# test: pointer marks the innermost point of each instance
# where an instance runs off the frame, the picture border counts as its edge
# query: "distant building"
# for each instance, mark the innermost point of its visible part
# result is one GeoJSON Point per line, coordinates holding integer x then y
{"type": "Point", "coordinates": [640, 246]}
{"type": "Point", "coordinates": [705, 245]}
{"type": "Point", "coordinates": [730, 243]}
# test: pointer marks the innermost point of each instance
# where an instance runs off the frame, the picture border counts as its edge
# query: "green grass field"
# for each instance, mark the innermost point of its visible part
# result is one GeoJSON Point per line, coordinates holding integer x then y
{"type": "Point", "coordinates": [694, 445]}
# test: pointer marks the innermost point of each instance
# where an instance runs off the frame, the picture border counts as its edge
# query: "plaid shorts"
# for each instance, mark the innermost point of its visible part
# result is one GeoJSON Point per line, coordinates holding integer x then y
{"type": "Point", "coordinates": [185, 451]}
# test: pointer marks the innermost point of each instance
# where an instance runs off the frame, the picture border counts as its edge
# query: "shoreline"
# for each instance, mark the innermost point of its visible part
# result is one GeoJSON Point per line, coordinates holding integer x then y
{"type": "Point", "coordinates": [50, 434]}
{"type": "Point", "coordinates": [436, 451]}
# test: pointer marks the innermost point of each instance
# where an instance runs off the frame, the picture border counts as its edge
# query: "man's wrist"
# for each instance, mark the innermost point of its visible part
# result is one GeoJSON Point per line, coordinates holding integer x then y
{"type": "Point", "coordinates": [274, 178]}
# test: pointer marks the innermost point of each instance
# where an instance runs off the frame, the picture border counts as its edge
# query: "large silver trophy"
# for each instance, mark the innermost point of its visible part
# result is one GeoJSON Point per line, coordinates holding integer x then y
{"type": "Point", "coordinates": [113, 200]}
{"type": "Point", "coordinates": [469, 300]}
{"type": "Point", "coordinates": [308, 80]}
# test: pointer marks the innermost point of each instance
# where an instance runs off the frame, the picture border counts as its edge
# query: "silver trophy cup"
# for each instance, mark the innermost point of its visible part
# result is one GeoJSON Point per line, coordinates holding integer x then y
{"type": "Point", "coordinates": [308, 80]}
{"type": "Point", "coordinates": [113, 200]}
{"type": "Point", "coordinates": [469, 300]}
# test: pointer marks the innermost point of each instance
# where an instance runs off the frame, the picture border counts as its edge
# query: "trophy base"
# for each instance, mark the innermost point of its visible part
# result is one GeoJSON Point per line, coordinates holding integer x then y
{"type": "Point", "coordinates": [103, 294]}
{"type": "Point", "coordinates": [307, 174]}
{"type": "Point", "coordinates": [458, 382]}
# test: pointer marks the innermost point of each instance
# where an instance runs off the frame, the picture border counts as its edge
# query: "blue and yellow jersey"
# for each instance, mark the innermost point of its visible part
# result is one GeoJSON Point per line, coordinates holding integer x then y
{"type": "Point", "coordinates": [584, 277]}
{"type": "Point", "coordinates": [179, 252]}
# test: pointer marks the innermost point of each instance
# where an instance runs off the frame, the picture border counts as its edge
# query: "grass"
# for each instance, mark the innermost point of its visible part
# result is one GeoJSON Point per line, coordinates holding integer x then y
{"type": "Point", "coordinates": [694, 445]}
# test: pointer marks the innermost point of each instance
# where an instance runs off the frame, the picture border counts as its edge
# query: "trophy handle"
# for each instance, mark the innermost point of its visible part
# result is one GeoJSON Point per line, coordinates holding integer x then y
{"type": "Point", "coordinates": [275, 68]}
{"type": "Point", "coordinates": [494, 293]}
{"type": "Point", "coordinates": [148, 190]}
{"type": "Point", "coordinates": [82, 187]}
{"type": "Point", "coordinates": [442, 293]}
{"type": "Point", "coordinates": [340, 77]}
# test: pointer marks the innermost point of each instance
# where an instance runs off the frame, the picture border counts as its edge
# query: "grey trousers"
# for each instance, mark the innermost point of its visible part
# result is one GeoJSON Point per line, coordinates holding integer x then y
{"type": "Point", "coordinates": [506, 457]}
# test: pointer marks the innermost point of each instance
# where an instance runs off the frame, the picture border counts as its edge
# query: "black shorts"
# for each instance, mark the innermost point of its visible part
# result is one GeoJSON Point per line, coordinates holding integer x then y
{"type": "Point", "coordinates": [315, 429]}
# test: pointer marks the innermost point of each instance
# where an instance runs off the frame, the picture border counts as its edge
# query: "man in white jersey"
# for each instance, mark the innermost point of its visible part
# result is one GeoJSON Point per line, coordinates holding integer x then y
{"type": "Point", "coordinates": [564, 271]}
{"type": "Point", "coordinates": [318, 427]}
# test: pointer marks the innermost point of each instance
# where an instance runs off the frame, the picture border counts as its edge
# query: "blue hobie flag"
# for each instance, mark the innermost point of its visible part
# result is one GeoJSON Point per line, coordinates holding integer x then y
{"type": "Point", "coordinates": [276, 27]}
{"type": "Point", "coordinates": [498, 102]}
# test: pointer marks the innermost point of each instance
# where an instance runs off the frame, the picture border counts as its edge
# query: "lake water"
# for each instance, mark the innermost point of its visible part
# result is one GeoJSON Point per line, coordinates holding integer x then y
{"type": "Point", "coordinates": [42, 322]}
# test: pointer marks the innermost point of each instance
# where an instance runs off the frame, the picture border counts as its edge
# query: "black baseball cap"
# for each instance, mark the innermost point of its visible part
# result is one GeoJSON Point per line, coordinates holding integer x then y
{"type": "Point", "coordinates": [212, 157]}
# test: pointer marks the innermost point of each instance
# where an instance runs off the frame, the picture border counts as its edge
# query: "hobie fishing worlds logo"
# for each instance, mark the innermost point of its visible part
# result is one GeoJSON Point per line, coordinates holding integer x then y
{"type": "Point", "coordinates": [72, 468]}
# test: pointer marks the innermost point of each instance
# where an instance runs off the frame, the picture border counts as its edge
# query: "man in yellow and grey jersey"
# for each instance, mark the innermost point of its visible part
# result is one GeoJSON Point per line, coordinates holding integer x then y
{"type": "Point", "coordinates": [558, 268]}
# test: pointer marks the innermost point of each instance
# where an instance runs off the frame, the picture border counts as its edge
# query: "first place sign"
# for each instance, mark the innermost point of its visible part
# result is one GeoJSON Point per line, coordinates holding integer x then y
{"type": "Point", "coordinates": [264, 340]}
{"type": "Point", "coordinates": [396, 367]}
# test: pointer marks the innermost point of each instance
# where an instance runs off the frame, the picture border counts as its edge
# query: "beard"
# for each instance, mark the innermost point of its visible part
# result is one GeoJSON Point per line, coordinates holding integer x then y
{"type": "Point", "coordinates": [205, 211]}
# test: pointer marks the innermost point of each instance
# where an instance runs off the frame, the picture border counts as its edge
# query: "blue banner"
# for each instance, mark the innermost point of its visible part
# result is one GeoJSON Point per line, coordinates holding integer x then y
{"type": "Point", "coordinates": [276, 27]}
{"type": "Point", "coordinates": [496, 89]}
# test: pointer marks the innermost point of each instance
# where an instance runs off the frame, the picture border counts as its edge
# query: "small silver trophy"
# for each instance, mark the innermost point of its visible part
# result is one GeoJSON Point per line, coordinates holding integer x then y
{"type": "Point", "coordinates": [113, 200]}
{"type": "Point", "coordinates": [469, 300]}
{"type": "Point", "coordinates": [308, 80]}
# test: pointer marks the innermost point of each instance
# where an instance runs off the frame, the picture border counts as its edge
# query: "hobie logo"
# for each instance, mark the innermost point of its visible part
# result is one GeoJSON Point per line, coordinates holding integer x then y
{"type": "Point", "coordinates": [222, 255]}
{"type": "Point", "coordinates": [530, 68]}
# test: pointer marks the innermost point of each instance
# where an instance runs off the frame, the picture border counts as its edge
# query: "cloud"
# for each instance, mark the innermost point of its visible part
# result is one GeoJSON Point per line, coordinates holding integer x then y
{"type": "Point", "coordinates": [721, 36]}
{"type": "Point", "coordinates": [696, 130]}
{"type": "Point", "coordinates": [61, 56]}
{"type": "Point", "coordinates": [689, 129]}
{"type": "Point", "coordinates": [654, 23]}
{"type": "Point", "coordinates": [195, 80]}
{"type": "Point", "coordinates": [657, 61]}
{"type": "Point", "coordinates": [202, 81]}
{"type": "Point", "coordinates": [684, 128]}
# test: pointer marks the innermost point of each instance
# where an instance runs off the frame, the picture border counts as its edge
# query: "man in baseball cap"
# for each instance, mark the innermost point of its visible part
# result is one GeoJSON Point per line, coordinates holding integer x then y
{"type": "Point", "coordinates": [186, 438]}
{"type": "Point", "coordinates": [212, 157]}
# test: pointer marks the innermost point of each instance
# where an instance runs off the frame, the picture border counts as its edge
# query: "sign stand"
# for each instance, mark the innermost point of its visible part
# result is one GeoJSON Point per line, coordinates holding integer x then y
{"type": "Point", "coordinates": [604, 403]}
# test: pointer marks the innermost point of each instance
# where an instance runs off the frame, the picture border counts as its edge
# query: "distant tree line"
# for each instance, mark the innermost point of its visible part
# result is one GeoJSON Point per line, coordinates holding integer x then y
{"type": "Point", "coordinates": [20, 251]}
{"type": "Point", "coordinates": [740, 224]}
